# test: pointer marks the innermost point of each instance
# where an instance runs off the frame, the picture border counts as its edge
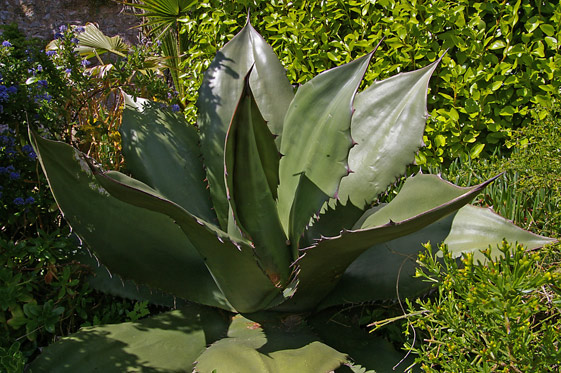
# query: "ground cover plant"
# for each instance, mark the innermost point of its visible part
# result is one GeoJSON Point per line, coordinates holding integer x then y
{"type": "Point", "coordinates": [500, 315]}
{"type": "Point", "coordinates": [276, 243]}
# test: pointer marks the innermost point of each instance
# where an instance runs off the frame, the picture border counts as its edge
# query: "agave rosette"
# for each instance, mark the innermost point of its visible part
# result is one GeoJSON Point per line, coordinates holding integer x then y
{"type": "Point", "coordinates": [266, 210]}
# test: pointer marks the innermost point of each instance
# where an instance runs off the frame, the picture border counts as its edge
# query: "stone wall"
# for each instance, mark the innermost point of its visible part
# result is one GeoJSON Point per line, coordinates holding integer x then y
{"type": "Point", "coordinates": [39, 18]}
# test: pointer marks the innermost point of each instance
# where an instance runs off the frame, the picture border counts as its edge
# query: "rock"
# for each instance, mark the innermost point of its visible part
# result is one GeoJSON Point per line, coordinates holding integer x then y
{"type": "Point", "coordinates": [37, 18]}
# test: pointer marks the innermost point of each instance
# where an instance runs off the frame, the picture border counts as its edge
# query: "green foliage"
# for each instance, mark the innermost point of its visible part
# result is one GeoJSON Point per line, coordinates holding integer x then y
{"type": "Point", "coordinates": [500, 316]}
{"type": "Point", "coordinates": [295, 234]}
{"type": "Point", "coordinates": [528, 192]}
{"type": "Point", "coordinates": [502, 61]}
{"type": "Point", "coordinates": [11, 359]}
{"type": "Point", "coordinates": [72, 98]}
{"type": "Point", "coordinates": [162, 20]}
{"type": "Point", "coordinates": [44, 292]}
{"type": "Point", "coordinates": [537, 156]}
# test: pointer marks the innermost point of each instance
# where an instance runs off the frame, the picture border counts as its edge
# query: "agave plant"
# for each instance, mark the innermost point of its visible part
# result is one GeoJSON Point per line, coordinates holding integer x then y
{"type": "Point", "coordinates": [263, 218]}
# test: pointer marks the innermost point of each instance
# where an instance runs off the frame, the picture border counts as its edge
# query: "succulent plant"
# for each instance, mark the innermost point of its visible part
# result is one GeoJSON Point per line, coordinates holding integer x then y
{"type": "Point", "coordinates": [262, 218]}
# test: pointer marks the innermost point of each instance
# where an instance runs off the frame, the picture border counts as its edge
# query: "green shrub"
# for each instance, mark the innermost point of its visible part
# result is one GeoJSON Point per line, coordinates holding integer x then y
{"type": "Point", "coordinates": [502, 61]}
{"type": "Point", "coordinates": [529, 193]}
{"type": "Point", "coordinates": [44, 292]}
{"type": "Point", "coordinates": [502, 316]}
{"type": "Point", "coordinates": [72, 98]}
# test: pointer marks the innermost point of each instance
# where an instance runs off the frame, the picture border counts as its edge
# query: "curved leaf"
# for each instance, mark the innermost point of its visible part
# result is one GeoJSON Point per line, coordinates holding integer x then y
{"type": "Point", "coordinates": [371, 352]}
{"type": "Point", "coordinates": [162, 150]}
{"type": "Point", "coordinates": [332, 220]}
{"type": "Point", "coordinates": [169, 342]}
{"type": "Point", "coordinates": [375, 274]}
{"type": "Point", "coordinates": [251, 166]}
{"type": "Point", "coordinates": [423, 200]}
{"type": "Point", "coordinates": [232, 263]}
{"type": "Point", "coordinates": [103, 280]}
{"type": "Point", "coordinates": [284, 346]}
{"type": "Point", "coordinates": [315, 144]}
{"type": "Point", "coordinates": [476, 228]}
{"type": "Point", "coordinates": [219, 93]}
{"type": "Point", "coordinates": [385, 271]}
{"type": "Point", "coordinates": [388, 127]}
{"type": "Point", "coordinates": [136, 243]}
{"type": "Point", "coordinates": [93, 42]}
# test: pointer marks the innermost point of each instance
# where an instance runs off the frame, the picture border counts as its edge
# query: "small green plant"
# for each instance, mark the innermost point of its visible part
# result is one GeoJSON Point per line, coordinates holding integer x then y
{"type": "Point", "coordinates": [264, 243]}
{"type": "Point", "coordinates": [11, 359]}
{"type": "Point", "coordinates": [499, 315]}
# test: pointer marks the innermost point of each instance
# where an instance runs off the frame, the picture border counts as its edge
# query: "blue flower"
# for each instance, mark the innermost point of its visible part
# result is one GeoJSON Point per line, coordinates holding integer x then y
{"type": "Point", "coordinates": [175, 108]}
{"type": "Point", "coordinates": [7, 140]}
{"type": "Point", "coordinates": [3, 170]}
{"type": "Point", "coordinates": [39, 68]}
{"type": "Point", "coordinates": [63, 28]}
{"type": "Point", "coordinates": [79, 29]}
{"type": "Point", "coordinates": [28, 149]}
{"type": "Point", "coordinates": [6, 44]}
{"type": "Point", "coordinates": [85, 63]}
{"type": "Point", "coordinates": [14, 175]}
{"type": "Point", "coordinates": [68, 71]}
{"type": "Point", "coordinates": [12, 89]}
{"type": "Point", "coordinates": [58, 35]}
{"type": "Point", "coordinates": [43, 97]}
{"type": "Point", "coordinates": [29, 200]}
{"type": "Point", "coordinates": [75, 40]}
{"type": "Point", "coordinates": [50, 53]}
{"type": "Point", "coordinates": [18, 201]}
{"type": "Point", "coordinates": [4, 93]}
{"type": "Point", "coordinates": [43, 83]}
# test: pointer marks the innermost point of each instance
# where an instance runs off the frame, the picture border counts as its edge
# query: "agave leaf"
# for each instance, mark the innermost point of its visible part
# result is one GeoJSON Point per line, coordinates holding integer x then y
{"type": "Point", "coordinates": [162, 150]}
{"type": "Point", "coordinates": [219, 93]}
{"type": "Point", "coordinates": [423, 200]}
{"type": "Point", "coordinates": [332, 220]}
{"type": "Point", "coordinates": [315, 144]}
{"type": "Point", "coordinates": [169, 342]}
{"type": "Point", "coordinates": [268, 346]}
{"type": "Point", "coordinates": [214, 245]}
{"type": "Point", "coordinates": [375, 274]}
{"type": "Point", "coordinates": [102, 279]}
{"type": "Point", "coordinates": [93, 42]}
{"type": "Point", "coordinates": [368, 350]}
{"type": "Point", "coordinates": [389, 119]}
{"type": "Point", "coordinates": [476, 228]}
{"type": "Point", "coordinates": [251, 166]}
{"type": "Point", "coordinates": [385, 271]}
{"type": "Point", "coordinates": [136, 243]}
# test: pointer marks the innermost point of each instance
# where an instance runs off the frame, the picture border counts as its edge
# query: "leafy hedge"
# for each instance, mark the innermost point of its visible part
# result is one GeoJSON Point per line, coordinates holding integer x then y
{"type": "Point", "coordinates": [502, 61]}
